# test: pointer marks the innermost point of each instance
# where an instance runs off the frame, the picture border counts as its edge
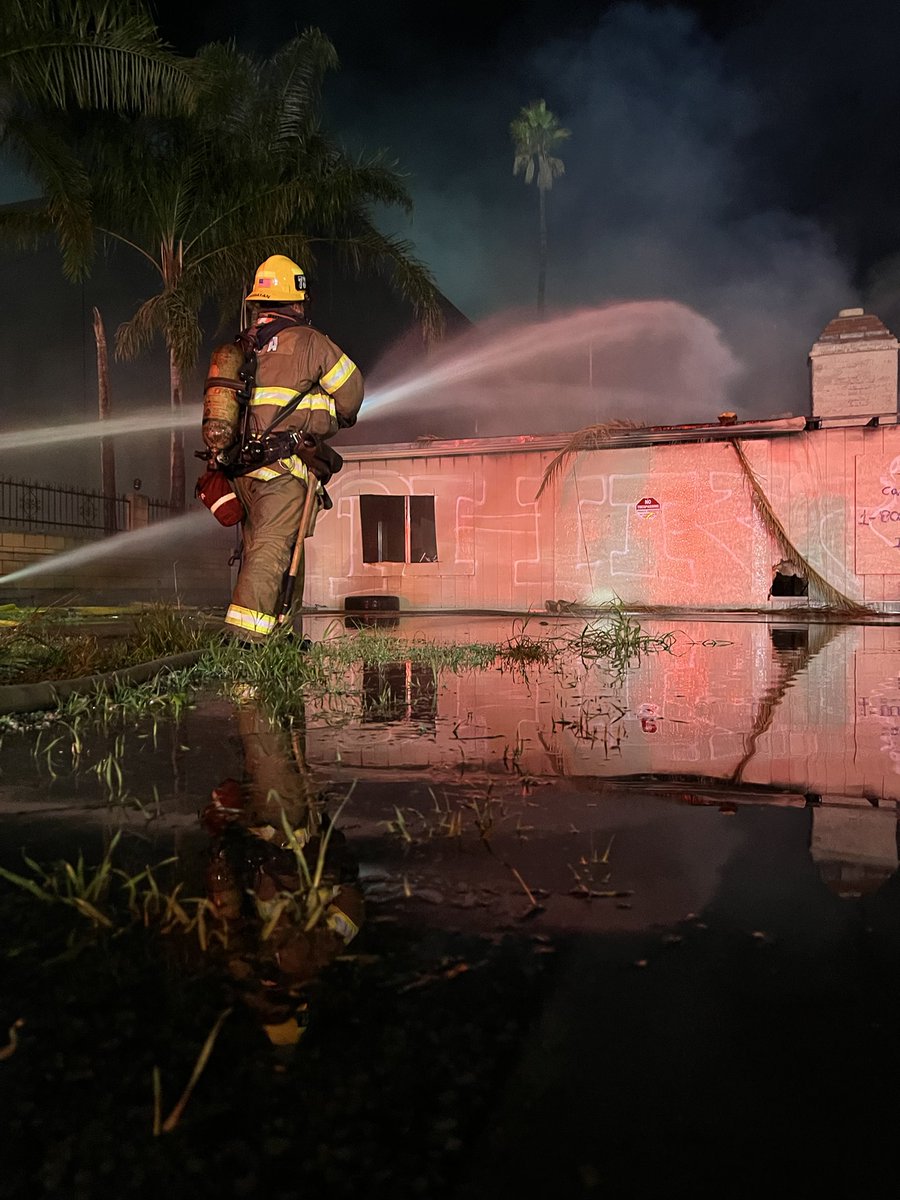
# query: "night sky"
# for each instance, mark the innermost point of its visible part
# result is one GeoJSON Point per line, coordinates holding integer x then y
{"type": "Point", "coordinates": [740, 158]}
{"type": "Point", "coordinates": [778, 113]}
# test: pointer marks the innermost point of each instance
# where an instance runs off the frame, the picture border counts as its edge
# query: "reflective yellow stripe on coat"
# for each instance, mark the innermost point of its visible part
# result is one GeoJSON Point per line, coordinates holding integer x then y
{"type": "Point", "coordinates": [278, 397]}
{"type": "Point", "coordinates": [289, 466]}
{"type": "Point", "coordinates": [246, 618]}
{"type": "Point", "coordinates": [338, 375]}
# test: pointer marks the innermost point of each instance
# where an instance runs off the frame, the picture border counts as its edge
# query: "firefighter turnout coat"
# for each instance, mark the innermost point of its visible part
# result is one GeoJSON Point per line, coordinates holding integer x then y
{"type": "Point", "coordinates": [298, 361]}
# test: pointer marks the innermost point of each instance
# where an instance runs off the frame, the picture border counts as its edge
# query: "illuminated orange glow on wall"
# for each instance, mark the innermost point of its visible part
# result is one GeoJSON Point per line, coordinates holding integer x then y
{"type": "Point", "coordinates": [836, 492]}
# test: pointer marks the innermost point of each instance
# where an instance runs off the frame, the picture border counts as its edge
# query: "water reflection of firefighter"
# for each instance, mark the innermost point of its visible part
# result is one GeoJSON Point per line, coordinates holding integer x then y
{"type": "Point", "coordinates": [281, 876]}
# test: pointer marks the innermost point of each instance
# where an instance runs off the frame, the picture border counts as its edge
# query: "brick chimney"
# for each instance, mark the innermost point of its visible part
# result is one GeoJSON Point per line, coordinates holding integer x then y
{"type": "Point", "coordinates": [853, 368]}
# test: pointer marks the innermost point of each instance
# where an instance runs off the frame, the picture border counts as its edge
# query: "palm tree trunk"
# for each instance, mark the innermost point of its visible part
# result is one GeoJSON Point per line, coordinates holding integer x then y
{"type": "Point", "coordinates": [176, 459]}
{"type": "Point", "coordinates": [107, 449]}
{"type": "Point", "coordinates": [542, 262]}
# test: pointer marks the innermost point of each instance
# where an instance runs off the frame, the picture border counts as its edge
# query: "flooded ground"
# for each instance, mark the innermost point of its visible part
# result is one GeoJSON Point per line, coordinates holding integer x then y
{"type": "Point", "coordinates": [591, 929]}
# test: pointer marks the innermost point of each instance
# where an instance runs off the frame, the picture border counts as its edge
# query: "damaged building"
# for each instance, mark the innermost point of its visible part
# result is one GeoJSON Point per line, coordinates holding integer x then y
{"type": "Point", "coordinates": [730, 514]}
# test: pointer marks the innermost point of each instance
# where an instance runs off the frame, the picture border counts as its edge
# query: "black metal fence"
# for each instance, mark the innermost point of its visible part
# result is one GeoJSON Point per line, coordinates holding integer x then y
{"type": "Point", "coordinates": [45, 508]}
{"type": "Point", "coordinates": [158, 510]}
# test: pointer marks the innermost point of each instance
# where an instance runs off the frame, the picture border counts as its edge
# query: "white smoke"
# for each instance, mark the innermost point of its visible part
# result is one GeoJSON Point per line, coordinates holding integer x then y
{"type": "Point", "coordinates": [666, 195]}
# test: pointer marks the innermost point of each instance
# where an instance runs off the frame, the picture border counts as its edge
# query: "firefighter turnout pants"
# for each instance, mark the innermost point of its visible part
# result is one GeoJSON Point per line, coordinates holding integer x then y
{"type": "Point", "coordinates": [273, 508]}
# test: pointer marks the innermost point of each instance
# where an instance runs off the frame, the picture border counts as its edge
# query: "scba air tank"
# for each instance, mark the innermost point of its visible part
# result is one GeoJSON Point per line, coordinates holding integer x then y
{"type": "Point", "coordinates": [221, 408]}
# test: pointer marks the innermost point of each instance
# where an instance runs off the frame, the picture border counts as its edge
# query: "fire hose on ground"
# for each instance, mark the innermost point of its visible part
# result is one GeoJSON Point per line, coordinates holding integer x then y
{"type": "Point", "coordinates": [47, 694]}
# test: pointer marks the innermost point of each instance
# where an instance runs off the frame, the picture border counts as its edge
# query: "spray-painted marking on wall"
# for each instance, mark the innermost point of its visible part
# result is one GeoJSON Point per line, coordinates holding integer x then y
{"type": "Point", "coordinates": [584, 540]}
{"type": "Point", "coordinates": [877, 728]}
{"type": "Point", "coordinates": [877, 543]}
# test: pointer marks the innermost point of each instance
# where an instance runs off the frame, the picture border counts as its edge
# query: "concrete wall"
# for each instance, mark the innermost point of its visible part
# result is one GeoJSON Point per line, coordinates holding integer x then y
{"type": "Point", "coordinates": [701, 544]}
{"type": "Point", "coordinates": [18, 550]}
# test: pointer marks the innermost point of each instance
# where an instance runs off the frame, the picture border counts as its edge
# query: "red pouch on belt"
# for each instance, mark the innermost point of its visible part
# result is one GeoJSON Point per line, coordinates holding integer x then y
{"type": "Point", "coordinates": [216, 491]}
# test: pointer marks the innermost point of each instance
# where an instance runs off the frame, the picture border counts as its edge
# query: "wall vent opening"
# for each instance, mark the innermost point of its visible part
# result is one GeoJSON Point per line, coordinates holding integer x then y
{"type": "Point", "coordinates": [788, 581]}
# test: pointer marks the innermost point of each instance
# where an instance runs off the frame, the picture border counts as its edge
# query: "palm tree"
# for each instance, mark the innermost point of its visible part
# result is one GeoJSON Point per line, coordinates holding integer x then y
{"type": "Point", "coordinates": [75, 55]}
{"type": "Point", "coordinates": [90, 53]}
{"type": "Point", "coordinates": [536, 133]}
{"type": "Point", "coordinates": [202, 198]}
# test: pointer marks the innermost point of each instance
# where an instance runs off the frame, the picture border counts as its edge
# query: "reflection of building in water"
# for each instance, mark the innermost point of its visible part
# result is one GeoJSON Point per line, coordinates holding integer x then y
{"type": "Point", "coordinates": [794, 707]}
{"type": "Point", "coordinates": [854, 843]}
{"type": "Point", "coordinates": [399, 691]}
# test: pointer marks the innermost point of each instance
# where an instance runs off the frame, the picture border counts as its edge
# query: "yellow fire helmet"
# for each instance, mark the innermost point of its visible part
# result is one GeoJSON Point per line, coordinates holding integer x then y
{"type": "Point", "coordinates": [279, 278]}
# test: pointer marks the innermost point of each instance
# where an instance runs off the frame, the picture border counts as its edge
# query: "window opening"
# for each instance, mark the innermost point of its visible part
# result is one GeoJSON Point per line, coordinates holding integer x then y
{"type": "Point", "coordinates": [398, 529]}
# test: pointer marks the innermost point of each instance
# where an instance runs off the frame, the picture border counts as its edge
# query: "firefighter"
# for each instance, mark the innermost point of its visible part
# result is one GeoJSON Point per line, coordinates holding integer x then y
{"type": "Point", "coordinates": [294, 360]}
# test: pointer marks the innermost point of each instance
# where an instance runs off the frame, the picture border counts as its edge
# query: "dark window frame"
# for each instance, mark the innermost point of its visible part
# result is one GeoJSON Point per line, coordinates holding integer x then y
{"type": "Point", "coordinates": [397, 529]}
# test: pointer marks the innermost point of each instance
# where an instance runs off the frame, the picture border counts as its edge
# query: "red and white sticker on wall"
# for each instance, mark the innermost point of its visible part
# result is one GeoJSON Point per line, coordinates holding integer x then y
{"type": "Point", "coordinates": [647, 507]}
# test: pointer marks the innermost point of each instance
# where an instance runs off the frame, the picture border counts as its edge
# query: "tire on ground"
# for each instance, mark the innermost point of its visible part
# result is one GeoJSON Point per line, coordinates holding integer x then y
{"type": "Point", "coordinates": [375, 603]}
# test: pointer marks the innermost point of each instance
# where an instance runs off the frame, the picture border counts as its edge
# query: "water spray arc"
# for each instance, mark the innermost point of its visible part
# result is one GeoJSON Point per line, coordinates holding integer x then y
{"type": "Point", "coordinates": [705, 364]}
{"type": "Point", "coordinates": [92, 431]}
{"type": "Point", "coordinates": [150, 537]}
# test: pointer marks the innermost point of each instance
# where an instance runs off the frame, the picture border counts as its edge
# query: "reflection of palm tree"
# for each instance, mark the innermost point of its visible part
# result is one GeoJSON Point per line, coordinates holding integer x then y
{"type": "Point", "coordinates": [790, 666]}
{"type": "Point", "coordinates": [536, 133]}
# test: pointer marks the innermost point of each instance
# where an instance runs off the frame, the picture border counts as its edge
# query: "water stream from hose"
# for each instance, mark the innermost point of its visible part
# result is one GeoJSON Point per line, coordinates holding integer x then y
{"type": "Point", "coordinates": [86, 431]}
{"type": "Point", "coordinates": [151, 537]}
{"type": "Point", "coordinates": [660, 350]}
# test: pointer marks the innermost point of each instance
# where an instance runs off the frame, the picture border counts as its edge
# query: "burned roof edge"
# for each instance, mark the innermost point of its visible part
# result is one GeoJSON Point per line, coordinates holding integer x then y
{"type": "Point", "coordinates": [529, 443]}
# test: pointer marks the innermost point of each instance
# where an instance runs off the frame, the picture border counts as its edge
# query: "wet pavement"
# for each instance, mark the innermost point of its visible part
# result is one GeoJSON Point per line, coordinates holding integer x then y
{"type": "Point", "coordinates": [697, 853]}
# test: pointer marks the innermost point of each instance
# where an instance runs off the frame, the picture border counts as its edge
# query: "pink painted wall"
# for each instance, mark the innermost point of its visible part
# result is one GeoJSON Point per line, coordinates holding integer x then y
{"type": "Point", "coordinates": [587, 540]}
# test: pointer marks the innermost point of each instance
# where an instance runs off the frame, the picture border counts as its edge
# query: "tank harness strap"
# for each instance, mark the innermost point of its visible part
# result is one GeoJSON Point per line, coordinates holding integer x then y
{"type": "Point", "coordinates": [267, 447]}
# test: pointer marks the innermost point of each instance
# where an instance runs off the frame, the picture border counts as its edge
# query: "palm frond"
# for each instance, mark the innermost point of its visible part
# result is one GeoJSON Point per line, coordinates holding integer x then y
{"type": "Point", "coordinates": [183, 333]}
{"type": "Point", "coordinates": [170, 315]}
{"type": "Point", "coordinates": [343, 183]}
{"type": "Point", "coordinates": [831, 595]}
{"type": "Point", "coordinates": [393, 259]}
{"type": "Point", "coordinates": [297, 73]}
{"type": "Point", "coordinates": [93, 53]}
{"type": "Point", "coordinates": [225, 80]}
{"type": "Point", "coordinates": [25, 227]}
{"type": "Point", "coordinates": [64, 183]}
{"type": "Point", "coordinates": [592, 437]}
{"type": "Point", "coordinates": [134, 336]}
